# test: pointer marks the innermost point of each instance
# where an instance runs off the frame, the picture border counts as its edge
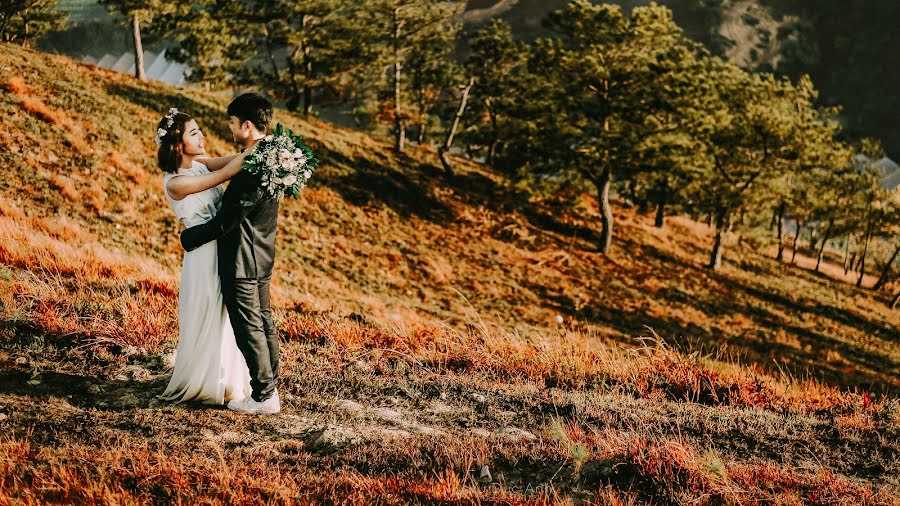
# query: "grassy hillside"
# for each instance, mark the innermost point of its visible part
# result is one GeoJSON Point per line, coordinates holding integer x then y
{"type": "Point", "coordinates": [423, 361]}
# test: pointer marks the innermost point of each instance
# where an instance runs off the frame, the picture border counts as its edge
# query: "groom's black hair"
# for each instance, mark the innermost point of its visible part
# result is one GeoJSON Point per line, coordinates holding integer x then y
{"type": "Point", "coordinates": [254, 108]}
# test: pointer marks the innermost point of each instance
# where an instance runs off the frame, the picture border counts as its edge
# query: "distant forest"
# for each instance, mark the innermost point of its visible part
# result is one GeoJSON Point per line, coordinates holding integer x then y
{"type": "Point", "coordinates": [847, 47]}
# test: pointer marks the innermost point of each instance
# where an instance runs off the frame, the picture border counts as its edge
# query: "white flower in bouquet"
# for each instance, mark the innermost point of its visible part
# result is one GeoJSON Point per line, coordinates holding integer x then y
{"type": "Point", "coordinates": [282, 162]}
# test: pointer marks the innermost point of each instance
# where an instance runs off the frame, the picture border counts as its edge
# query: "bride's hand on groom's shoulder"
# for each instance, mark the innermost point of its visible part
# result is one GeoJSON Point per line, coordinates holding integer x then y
{"type": "Point", "coordinates": [234, 166]}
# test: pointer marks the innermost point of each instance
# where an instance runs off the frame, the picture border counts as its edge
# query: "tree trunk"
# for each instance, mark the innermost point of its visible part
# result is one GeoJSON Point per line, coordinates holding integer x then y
{"type": "Point", "coordinates": [296, 95]}
{"type": "Point", "coordinates": [3, 25]}
{"type": "Point", "coordinates": [822, 246]}
{"type": "Point", "coordinates": [887, 270]}
{"type": "Point", "coordinates": [307, 100]}
{"type": "Point", "coordinates": [420, 133]}
{"type": "Point", "coordinates": [896, 300]}
{"type": "Point", "coordinates": [399, 127]}
{"type": "Point", "coordinates": [631, 190]}
{"type": "Point", "coordinates": [307, 89]}
{"type": "Point", "coordinates": [660, 213]}
{"type": "Point", "coordinates": [862, 260]}
{"type": "Point", "coordinates": [859, 260]}
{"type": "Point", "coordinates": [813, 238]}
{"type": "Point", "coordinates": [444, 151]}
{"type": "Point", "coordinates": [138, 48]}
{"type": "Point", "coordinates": [715, 259]}
{"type": "Point", "coordinates": [308, 70]}
{"type": "Point", "coordinates": [847, 254]}
{"type": "Point", "coordinates": [780, 225]}
{"type": "Point", "coordinates": [271, 53]}
{"type": "Point", "coordinates": [796, 239]}
{"type": "Point", "coordinates": [606, 216]}
{"type": "Point", "coordinates": [495, 138]}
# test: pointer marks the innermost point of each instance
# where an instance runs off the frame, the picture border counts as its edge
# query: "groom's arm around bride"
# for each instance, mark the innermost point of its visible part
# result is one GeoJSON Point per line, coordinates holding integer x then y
{"type": "Point", "coordinates": [241, 196]}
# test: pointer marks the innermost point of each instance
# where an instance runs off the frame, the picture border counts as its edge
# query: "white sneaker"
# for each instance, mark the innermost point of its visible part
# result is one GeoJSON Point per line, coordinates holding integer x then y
{"type": "Point", "coordinates": [247, 405]}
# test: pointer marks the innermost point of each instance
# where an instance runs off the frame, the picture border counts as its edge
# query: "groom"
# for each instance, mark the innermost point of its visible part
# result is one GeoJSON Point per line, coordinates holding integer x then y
{"type": "Point", "coordinates": [245, 230]}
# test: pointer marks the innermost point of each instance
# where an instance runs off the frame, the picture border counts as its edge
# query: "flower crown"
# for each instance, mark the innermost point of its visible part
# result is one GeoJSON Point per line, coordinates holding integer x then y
{"type": "Point", "coordinates": [170, 120]}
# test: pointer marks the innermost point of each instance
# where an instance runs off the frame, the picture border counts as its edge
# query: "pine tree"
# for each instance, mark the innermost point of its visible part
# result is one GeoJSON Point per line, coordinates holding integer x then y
{"type": "Point", "coordinates": [870, 211]}
{"type": "Point", "coordinates": [591, 93]}
{"type": "Point", "coordinates": [432, 75]}
{"type": "Point", "coordinates": [297, 51]}
{"type": "Point", "coordinates": [407, 26]}
{"type": "Point", "coordinates": [815, 182]}
{"type": "Point", "coordinates": [216, 40]}
{"type": "Point", "coordinates": [24, 21]}
{"type": "Point", "coordinates": [310, 45]}
{"type": "Point", "coordinates": [444, 151]}
{"type": "Point", "coordinates": [495, 59]}
{"type": "Point", "coordinates": [139, 12]}
{"type": "Point", "coordinates": [763, 132]}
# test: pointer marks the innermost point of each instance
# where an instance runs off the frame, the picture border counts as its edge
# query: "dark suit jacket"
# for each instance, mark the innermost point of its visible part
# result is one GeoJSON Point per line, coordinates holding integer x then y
{"type": "Point", "coordinates": [245, 228]}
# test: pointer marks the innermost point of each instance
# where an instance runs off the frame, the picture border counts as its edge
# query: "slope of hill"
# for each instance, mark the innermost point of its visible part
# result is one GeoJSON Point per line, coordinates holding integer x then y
{"type": "Point", "coordinates": [423, 358]}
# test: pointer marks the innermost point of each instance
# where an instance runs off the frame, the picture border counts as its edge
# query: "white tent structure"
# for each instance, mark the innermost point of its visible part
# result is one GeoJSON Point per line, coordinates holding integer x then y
{"type": "Point", "coordinates": [891, 172]}
{"type": "Point", "coordinates": [156, 66]}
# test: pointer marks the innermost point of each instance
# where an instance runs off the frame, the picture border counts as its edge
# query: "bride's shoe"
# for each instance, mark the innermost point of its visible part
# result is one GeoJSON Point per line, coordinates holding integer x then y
{"type": "Point", "coordinates": [247, 405]}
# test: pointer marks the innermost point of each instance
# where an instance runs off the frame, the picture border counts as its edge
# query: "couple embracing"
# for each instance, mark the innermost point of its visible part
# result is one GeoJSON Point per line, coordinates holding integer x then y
{"type": "Point", "coordinates": [227, 342]}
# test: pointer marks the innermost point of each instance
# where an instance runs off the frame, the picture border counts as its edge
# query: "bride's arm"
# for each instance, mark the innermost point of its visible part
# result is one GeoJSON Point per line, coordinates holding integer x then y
{"type": "Point", "coordinates": [214, 164]}
{"type": "Point", "coordinates": [182, 186]}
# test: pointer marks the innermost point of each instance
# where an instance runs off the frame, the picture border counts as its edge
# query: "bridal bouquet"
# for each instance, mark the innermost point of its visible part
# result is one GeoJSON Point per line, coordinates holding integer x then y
{"type": "Point", "coordinates": [282, 162]}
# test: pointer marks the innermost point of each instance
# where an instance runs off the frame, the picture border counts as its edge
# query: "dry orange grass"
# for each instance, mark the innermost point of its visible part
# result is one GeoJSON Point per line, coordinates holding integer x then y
{"type": "Point", "coordinates": [620, 467]}
{"type": "Point", "coordinates": [827, 268]}
{"type": "Point", "coordinates": [16, 85]}
{"type": "Point", "coordinates": [10, 209]}
{"type": "Point", "coordinates": [65, 186]}
{"type": "Point", "coordinates": [39, 109]}
{"type": "Point", "coordinates": [82, 314]}
{"type": "Point", "coordinates": [73, 295]}
{"type": "Point", "coordinates": [774, 484]}
{"type": "Point", "coordinates": [34, 105]}
{"type": "Point", "coordinates": [61, 228]}
{"type": "Point", "coordinates": [96, 196]}
{"type": "Point", "coordinates": [572, 359]}
{"type": "Point", "coordinates": [658, 467]}
{"type": "Point", "coordinates": [80, 474]}
{"type": "Point", "coordinates": [120, 163]}
{"type": "Point", "coordinates": [21, 247]}
{"type": "Point", "coordinates": [77, 134]}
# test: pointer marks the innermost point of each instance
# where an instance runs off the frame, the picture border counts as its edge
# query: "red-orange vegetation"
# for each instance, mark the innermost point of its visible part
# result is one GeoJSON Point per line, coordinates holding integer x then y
{"type": "Point", "coordinates": [121, 163]}
{"type": "Point", "coordinates": [16, 85]}
{"type": "Point", "coordinates": [65, 186]}
{"type": "Point", "coordinates": [38, 108]}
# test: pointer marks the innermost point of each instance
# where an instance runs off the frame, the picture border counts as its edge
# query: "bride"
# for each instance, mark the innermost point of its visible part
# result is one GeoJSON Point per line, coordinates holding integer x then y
{"type": "Point", "coordinates": [209, 368]}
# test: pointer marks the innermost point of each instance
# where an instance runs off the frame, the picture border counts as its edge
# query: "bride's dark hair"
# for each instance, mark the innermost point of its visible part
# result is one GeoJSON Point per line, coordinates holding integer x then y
{"type": "Point", "coordinates": [170, 145]}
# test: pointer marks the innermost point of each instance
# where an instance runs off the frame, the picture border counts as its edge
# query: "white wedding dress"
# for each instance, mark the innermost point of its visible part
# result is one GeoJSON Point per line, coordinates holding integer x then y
{"type": "Point", "coordinates": [209, 367]}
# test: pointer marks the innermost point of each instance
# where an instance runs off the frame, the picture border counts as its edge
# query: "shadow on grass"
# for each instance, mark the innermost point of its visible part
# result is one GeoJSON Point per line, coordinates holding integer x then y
{"type": "Point", "coordinates": [859, 368]}
{"type": "Point", "coordinates": [805, 360]}
{"type": "Point", "coordinates": [407, 192]}
{"type": "Point", "coordinates": [92, 391]}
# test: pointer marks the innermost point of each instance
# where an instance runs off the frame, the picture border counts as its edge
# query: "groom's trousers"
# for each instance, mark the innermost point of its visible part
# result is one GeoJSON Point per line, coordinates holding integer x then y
{"type": "Point", "coordinates": [250, 312]}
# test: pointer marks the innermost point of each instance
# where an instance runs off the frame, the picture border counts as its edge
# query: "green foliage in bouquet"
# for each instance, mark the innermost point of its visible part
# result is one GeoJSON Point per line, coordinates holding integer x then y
{"type": "Point", "coordinates": [282, 162]}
